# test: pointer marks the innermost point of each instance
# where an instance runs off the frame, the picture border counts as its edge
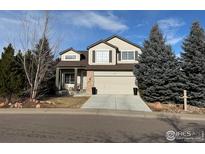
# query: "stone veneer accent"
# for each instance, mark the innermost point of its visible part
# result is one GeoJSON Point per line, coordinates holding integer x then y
{"type": "Point", "coordinates": [90, 82]}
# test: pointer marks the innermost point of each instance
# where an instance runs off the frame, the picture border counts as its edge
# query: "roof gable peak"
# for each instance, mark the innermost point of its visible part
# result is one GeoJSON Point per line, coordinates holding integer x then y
{"type": "Point", "coordinates": [123, 39]}
{"type": "Point", "coordinates": [68, 50]}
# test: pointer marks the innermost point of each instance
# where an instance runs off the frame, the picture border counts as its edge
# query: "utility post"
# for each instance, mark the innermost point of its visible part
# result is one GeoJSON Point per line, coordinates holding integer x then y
{"type": "Point", "coordinates": [185, 99]}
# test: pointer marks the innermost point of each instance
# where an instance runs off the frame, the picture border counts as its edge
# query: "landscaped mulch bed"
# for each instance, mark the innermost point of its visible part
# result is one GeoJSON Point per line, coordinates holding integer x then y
{"type": "Point", "coordinates": [175, 108]}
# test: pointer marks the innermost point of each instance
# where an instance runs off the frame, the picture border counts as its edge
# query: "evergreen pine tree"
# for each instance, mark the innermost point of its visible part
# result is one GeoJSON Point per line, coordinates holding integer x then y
{"type": "Point", "coordinates": [193, 60]}
{"type": "Point", "coordinates": [10, 79]}
{"type": "Point", "coordinates": [21, 74]}
{"type": "Point", "coordinates": [158, 71]}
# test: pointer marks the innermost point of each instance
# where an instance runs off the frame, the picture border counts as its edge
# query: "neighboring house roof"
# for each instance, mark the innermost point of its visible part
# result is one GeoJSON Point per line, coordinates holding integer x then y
{"type": "Point", "coordinates": [69, 49]}
{"type": "Point", "coordinates": [101, 41]}
{"type": "Point", "coordinates": [123, 39]}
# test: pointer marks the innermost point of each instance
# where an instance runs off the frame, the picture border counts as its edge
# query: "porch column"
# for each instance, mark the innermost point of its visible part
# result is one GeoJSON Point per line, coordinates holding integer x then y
{"type": "Point", "coordinates": [57, 78]}
{"type": "Point", "coordinates": [81, 80]}
{"type": "Point", "coordinates": [75, 78]}
{"type": "Point", "coordinates": [60, 82]}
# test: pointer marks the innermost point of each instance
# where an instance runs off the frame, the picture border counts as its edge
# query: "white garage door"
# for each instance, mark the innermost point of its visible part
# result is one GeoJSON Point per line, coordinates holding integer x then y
{"type": "Point", "coordinates": [114, 82]}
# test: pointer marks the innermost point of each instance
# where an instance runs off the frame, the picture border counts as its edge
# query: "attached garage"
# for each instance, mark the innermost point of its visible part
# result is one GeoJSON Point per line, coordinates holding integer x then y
{"type": "Point", "coordinates": [111, 82]}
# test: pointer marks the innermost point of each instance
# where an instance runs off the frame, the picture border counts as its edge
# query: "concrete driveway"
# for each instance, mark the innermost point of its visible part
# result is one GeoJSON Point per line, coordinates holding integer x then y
{"type": "Point", "coordinates": [116, 102]}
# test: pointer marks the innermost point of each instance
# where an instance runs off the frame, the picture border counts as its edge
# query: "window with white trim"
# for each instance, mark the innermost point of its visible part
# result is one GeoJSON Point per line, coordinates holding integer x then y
{"type": "Point", "coordinates": [102, 56]}
{"type": "Point", "coordinates": [70, 56]}
{"type": "Point", "coordinates": [127, 55]}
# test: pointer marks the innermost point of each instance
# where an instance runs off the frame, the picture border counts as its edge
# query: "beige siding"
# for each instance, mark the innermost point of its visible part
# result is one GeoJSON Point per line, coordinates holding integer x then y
{"type": "Point", "coordinates": [124, 46]}
{"type": "Point", "coordinates": [70, 53]}
{"type": "Point", "coordinates": [102, 46]}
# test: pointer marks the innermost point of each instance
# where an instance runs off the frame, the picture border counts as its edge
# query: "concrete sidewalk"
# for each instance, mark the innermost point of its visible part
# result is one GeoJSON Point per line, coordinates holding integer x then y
{"type": "Point", "coordinates": [116, 102]}
{"type": "Point", "coordinates": [103, 112]}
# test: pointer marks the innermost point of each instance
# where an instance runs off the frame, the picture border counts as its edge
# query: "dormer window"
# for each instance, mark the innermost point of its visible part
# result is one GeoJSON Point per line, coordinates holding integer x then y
{"type": "Point", "coordinates": [70, 56]}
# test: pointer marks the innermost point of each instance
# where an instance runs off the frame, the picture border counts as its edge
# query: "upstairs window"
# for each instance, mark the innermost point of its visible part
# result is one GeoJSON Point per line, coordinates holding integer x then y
{"type": "Point", "coordinates": [102, 56]}
{"type": "Point", "coordinates": [70, 56]}
{"type": "Point", "coordinates": [128, 55]}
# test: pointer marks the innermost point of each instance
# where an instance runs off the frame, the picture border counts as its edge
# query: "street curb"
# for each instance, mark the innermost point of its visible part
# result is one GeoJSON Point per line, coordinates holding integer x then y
{"type": "Point", "coordinates": [104, 112]}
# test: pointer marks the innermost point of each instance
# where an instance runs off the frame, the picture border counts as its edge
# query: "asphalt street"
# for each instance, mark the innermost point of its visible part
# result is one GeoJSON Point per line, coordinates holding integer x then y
{"type": "Point", "coordinates": [65, 128]}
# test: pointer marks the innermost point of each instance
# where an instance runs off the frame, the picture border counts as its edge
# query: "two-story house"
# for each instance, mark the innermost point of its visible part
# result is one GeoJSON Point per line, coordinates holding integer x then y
{"type": "Point", "coordinates": [107, 65]}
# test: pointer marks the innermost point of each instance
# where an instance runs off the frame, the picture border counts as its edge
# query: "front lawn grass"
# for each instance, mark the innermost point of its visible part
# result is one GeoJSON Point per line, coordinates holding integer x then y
{"type": "Point", "coordinates": [65, 102]}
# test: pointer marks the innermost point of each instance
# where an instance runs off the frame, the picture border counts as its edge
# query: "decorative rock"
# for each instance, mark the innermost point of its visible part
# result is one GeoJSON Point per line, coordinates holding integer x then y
{"type": "Point", "coordinates": [38, 105]}
{"type": "Point", "coordinates": [18, 105]}
{"type": "Point", "coordinates": [11, 105]}
{"type": "Point", "coordinates": [2, 105]}
{"type": "Point", "coordinates": [158, 106]}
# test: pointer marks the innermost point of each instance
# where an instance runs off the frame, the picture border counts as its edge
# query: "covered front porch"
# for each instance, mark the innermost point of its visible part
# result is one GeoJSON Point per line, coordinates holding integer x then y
{"type": "Point", "coordinates": [71, 79]}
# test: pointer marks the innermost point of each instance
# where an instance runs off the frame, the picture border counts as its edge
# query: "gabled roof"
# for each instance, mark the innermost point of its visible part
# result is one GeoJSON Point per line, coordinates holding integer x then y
{"type": "Point", "coordinates": [82, 63]}
{"type": "Point", "coordinates": [69, 49]}
{"type": "Point", "coordinates": [101, 41]}
{"type": "Point", "coordinates": [123, 39]}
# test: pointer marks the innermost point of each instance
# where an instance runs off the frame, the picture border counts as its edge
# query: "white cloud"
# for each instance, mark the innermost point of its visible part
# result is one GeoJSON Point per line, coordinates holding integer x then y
{"type": "Point", "coordinates": [139, 25]}
{"type": "Point", "coordinates": [170, 27]}
{"type": "Point", "coordinates": [12, 29]}
{"type": "Point", "coordinates": [91, 19]}
{"type": "Point", "coordinates": [170, 23]}
{"type": "Point", "coordinates": [174, 40]}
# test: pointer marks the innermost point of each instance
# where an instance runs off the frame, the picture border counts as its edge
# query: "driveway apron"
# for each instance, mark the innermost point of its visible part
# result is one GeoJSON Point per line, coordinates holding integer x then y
{"type": "Point", "coordinates": [116, 102]}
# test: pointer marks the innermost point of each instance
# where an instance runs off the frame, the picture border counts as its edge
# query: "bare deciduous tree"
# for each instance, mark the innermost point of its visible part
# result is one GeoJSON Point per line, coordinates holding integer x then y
{"type": "Point", "coordinates": [37, 62]}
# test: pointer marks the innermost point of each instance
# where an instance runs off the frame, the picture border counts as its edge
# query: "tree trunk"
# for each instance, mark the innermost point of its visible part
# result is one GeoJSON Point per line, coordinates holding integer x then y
{"type": "Point", "coordinates": [34, 93]}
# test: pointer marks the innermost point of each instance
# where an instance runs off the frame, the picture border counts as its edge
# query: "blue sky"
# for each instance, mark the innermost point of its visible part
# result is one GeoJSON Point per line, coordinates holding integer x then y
{"type": "Point", "coordinates": [78, 29]}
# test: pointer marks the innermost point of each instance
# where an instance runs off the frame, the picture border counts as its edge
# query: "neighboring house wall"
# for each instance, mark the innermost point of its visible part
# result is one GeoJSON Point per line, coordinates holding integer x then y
{"type": "Point", "coordinates": [124, 46]}
{"type": "Point", "coordinates": [70, 53]}
{"type": "Point", "coordinates": [101, 46]}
